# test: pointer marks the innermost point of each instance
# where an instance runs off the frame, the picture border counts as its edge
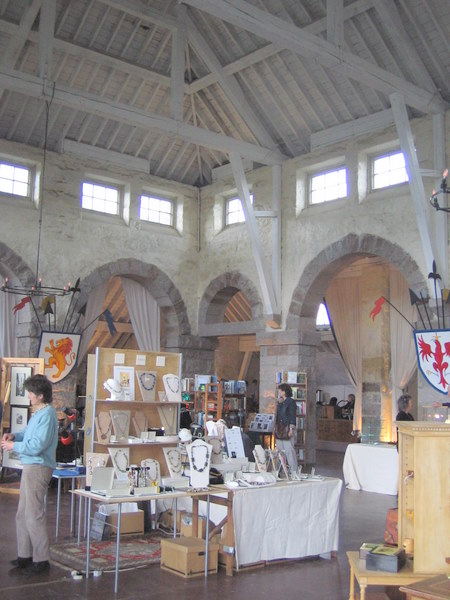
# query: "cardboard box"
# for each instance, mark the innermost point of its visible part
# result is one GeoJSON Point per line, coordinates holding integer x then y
{"type": "Point", "coordinates": [185, 556]}
{"type": "Point", "coordinates": [365, 549]}
{"type": "Point", "coordinates": [166, 519]}
{"type": "Point", "coordinates": [186, 526]}
{"type": "Point", "coordinates": [130, 522]}
{"type": "Point", "coordinates": [385, 558]}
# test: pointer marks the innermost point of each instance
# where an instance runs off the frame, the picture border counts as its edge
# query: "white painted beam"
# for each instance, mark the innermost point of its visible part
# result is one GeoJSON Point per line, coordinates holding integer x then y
{"type": "Point", "coordinates": [335, 22]}
{"type": "Point", "coordinates": [178, 65]}
{"type": "Point", "coordinates": [288, 36]}
{"type": "Point", "coordinates": [229, 85]}
{"type": "Point", "coordinates": [439, 217]}
{"type": "Point", "coordinates": [276, 231]}
{"type": "Point", "coordinates": [46, 35]}
{"type": "Point", "coordinates": [88, 152]}
{"type": "Point", "coordinates": [139, 10]}
{"type": "Point", "coordinates": [32, 86]}
{"type": "Point", "coordinates": [271, 308]}
{"type": "Point", "coordinates": [361, 126]}
{"type": "Point", "coordinates": [420, 201]}
{"type": "Point", "coordinates": [13, 49]}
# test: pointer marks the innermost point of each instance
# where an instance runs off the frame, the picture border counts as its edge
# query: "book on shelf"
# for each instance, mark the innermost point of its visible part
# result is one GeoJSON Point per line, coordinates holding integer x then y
{"type": "Point", "coordinates": [291, 377]}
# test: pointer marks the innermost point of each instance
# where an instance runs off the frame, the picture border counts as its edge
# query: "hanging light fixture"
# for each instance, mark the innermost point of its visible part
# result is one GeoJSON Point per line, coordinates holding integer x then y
{"type": "Point", "coordinates": [444, 190]}
{"type": "Point", "coordinates": [43, 297]}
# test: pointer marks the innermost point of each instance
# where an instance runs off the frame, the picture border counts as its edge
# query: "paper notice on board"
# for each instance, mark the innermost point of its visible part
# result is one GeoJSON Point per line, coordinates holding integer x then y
{"type": "Point", "coordinates": [140, 360]}
{"type": "Point", "coordinates": [119, 358]}
{"type": "Point", "coordinates": [160, 361]}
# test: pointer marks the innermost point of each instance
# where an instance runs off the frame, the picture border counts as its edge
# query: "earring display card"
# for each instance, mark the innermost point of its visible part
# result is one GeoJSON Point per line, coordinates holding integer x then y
{"type": "Point", "coordinates": [263, 423]}
{"type": "Point", "coordinates": [147, 385]}
{"type": "Point", "coordinates": [93, 460]}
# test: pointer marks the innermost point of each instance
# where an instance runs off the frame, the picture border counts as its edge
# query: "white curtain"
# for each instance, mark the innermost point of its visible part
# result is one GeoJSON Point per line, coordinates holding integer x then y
{"type": "Point", "coordinates": [93, 309]}
{"type": "Point", "coordinates": [8, 340]}
{"type": "Point", "coordinates": [144, 314]}
{"type": "Point", "coordinates": [403, 350]}
{"type": "Point", "coordinates": [343, 303]}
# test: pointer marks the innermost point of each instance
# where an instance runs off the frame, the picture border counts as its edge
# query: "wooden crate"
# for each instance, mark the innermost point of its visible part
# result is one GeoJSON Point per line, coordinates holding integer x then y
{"type": "Point", "coordinates": [185, 556]}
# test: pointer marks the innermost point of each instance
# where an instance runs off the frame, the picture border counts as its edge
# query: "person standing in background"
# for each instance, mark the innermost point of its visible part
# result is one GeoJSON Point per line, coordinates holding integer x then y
{"type": "Point", "coordinates": [286, 416]}
{"type": "Point", "coordinates": [36, 447]}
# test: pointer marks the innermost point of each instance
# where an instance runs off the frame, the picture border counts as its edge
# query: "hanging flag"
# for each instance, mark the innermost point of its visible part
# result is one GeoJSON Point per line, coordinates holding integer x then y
{"type": "Point", "coordinates": [109, 319]}
{"type": "Point", "coordinates": [377, 308]}
{"type": "Point", "coordinates": [21, 304]}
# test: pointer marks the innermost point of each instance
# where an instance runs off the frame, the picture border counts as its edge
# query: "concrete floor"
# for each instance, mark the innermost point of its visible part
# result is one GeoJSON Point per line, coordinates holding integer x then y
{"type": "Point", "coordinates": [362, 518]}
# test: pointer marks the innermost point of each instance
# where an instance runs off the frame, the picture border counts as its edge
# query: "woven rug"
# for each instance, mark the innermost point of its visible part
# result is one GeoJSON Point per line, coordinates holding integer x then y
{"type": "Point", "coordinates": [134, 552]}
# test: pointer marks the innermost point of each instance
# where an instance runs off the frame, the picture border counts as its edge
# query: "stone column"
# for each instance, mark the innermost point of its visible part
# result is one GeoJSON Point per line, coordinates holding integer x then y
{"type": "Point", "coordinates": [291, 350]}
{"type": "Point", "coordinates": [198, 353]}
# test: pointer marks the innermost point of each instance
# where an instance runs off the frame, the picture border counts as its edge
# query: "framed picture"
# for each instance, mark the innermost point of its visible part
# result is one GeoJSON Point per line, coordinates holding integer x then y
{"type": "Point", "coordinates": [18, 394]}
{"type": "Point", "coordinates": [59, 351]}
{"type": "Point", "coordinates": [125, 377]}
{"type": "Point", "coordinates": [11, 460]}
{"type": "Point", "coordinates": [19, 418]}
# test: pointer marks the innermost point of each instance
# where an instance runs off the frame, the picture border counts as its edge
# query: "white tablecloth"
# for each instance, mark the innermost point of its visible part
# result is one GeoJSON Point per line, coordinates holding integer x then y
{"type": "Point", "coordinates": [371, 468]}
{"type": "Point", "coordinates": [287, 520]}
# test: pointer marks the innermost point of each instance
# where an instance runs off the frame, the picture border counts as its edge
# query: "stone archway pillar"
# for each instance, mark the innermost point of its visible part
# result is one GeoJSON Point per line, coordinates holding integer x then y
{"type": "Point", "coordinates": [290, 350]}
{"type": "Point", "coordinates": [197, 353]}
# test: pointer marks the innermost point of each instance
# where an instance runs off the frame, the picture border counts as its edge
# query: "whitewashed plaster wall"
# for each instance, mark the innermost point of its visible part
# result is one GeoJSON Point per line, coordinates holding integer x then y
{"type": "Point", "coordinates": [307, 231]}
{"type": "Point", "coordinates": [76, 242]}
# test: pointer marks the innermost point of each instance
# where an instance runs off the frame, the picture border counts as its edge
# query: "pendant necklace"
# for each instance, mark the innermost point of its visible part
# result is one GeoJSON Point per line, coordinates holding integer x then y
{"type": "Point", "coordinates": [172, 380]}
{"type": "Point", "coordinates": [174, 458]}
{"type": "Point", "coordinates": [121, 457]}
{"type": "Point", "coordinates": [151, 468]}
{"type": "Point", "coordinates": [121, 424]}
{"type": "Point", "coordinates": [194, 461]}
{"type": "Point", "coordinates": [148, 381]}
{"type": "Point", "coordinates": [104, 433]}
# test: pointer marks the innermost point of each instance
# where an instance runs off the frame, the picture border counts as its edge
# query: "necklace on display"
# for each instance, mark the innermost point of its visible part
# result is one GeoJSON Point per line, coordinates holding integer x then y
{"type": "Point", "coordinates": [195, 464]}
{"type": "Point", "coordinates": [174, 458]}
{"type": "Point", "coordinates": [121, 424]}
{"type": "Point", "coordinates": [151, 469]}
{"type": "Point", "coordinates": [121, 460]}
{"type": "Point", "coordinates": [173, 383]}
{"type": "Point", "coordinates": [216, 446]}
{"type": "Point", "coordinates": [104, 432]}
{"type": "Point", "coordinates": [148, 381]}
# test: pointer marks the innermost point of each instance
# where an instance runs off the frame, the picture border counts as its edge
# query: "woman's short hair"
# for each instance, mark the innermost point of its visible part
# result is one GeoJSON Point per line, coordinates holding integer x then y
{"type": "Point", "coordinates": [39, 384]}
{"type": "Point", "coordinates": [286, 389]}
{"type": "Point", "coordinates": [403, 401]}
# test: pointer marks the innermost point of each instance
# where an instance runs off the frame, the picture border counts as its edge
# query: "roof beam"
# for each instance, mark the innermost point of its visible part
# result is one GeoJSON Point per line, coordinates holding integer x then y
{"type": "Point", "coordinates": [15, 45]}
{"type": "Point", "coordinates": [46, 36]}
{"type": "Point", "coordinates": [415, 182]}
{"type": "Point", "coordinates": [228, 84]}
{"type": "Point", "coordinates": [178, 65]}
{"type": "Point", "coordinates": [290, 37]}
{"type": "Point", "coordinates": [33, 86]}
{"type": "Point", "coordinates": [335, 22]}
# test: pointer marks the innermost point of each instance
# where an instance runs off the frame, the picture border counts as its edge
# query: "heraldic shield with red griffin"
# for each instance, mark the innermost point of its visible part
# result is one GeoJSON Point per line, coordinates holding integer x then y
{"type": "Point", "coordinates": [433, 357]}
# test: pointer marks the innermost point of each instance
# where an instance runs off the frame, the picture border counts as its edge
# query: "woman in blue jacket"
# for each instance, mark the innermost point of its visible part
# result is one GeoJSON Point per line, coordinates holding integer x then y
{"type": "Point", "coordinates": [36, 447]}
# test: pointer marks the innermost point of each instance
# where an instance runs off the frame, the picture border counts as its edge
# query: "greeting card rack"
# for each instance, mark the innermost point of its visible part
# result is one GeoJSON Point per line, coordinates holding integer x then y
{"type": "Point", "coordinates": [148, 380]}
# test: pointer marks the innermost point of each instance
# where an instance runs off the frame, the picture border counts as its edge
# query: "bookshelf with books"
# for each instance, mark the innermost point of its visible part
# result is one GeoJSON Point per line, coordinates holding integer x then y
{"type": "Point", "coordinates": [298, 380]}
{"type": "Point", "coordinates": [207, 397]}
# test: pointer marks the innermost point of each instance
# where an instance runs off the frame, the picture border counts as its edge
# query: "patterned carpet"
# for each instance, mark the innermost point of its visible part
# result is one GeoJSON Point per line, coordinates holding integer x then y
{"type": "Point", "coordinates": [134, 552]}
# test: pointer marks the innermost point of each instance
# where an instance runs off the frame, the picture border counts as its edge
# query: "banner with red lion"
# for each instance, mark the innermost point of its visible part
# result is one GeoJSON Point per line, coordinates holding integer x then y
{"type": "Point", "coordinates": [59, 351]}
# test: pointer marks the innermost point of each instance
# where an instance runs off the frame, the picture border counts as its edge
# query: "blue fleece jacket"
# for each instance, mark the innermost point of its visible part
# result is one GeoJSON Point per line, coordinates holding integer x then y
{"type": "Point", "coordinates": [36, 444]}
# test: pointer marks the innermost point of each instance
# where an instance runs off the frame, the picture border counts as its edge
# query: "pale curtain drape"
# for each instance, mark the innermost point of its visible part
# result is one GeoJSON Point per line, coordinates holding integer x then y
{"type": "Point", "coordinates": [8, 340]}
{"type": "Point", "coordinates": [343, 303]}
{"type": "Point", "coordinates": [93, 309]}
{"type": "Point", "coordinates": [144, 314]}
{"type": "Point", "coordinates": [403, 350]}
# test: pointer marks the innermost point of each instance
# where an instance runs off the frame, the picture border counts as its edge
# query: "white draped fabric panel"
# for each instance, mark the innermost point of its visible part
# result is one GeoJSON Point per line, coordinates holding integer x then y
{"type": "Point", "coordinates": [93, 309]}
{"type": "Point", "coordinates": [343, 303]}
{"type": "Point", "coordinates": [8, 341]}
{"type": "Point", "coordinates": [144, 314]}
{"type": "Point", "coordinates": [403, 349]}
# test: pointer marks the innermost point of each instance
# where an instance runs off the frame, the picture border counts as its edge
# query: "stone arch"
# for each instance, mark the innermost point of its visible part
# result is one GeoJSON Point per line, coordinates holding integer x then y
{"type": "Point", "coordinates": [316, 276]}
{"type": "Point", "coordinates": [173, 309]}
{"type": "Point", "coordinates": [218, 293]}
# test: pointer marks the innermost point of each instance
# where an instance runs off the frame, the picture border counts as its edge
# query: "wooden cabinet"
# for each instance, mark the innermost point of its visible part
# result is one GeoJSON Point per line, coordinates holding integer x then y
{"type": "Point", "coordinates": [424, 492]}
{"type": "Point", "coordinates": [299, 383]}
{"type": "Point", "coordinates": [208, 400]}
{"type": "Point", "coordinates": [158, 413]}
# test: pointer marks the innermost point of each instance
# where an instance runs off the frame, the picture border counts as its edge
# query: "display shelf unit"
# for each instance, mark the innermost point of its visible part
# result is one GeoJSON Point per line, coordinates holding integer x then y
{"type": "Point", "coordinates": [159, 413]}
{"type": "Point", "coordinates": [208, 400]}
{"type": "Point", "coordinates": [234, 397]}
{"type": "Point", "coordinates": [423, 514]}
{"type": "Point", "coordinates": [298, 380]}
{"type": "Point", "coordinates": [15, 403]}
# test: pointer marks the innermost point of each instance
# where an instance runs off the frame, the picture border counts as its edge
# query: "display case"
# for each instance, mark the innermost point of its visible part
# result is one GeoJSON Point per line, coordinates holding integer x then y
{"type": "Point", "coordinates": [424, 492]}
{"type": "Point", "coordinates": [298, 381]}
{"type": "Point", "coordinates": [149, 402]}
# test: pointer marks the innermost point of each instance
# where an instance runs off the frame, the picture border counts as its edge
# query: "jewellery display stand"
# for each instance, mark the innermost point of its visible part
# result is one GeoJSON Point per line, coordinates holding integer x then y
{"type": "Point", "coordinates": [152, 471]}
{"type": "Point", "coordinates": [260, 458]}
{"type": "Point", "coordinates": [172, 387]}
{"type": "Point", "coordinates": [216, 453]}
{"type": "Point", "coordinates": [128, 416]}
{"type": "Point", "coordinates": [174, 462]}
{"type": "Point", "coordinates": [103, 426]}
{"type": "Point", "coordinates": [120, 458]}
{"type": "Point", "coordinates": [199, 454]}
{"type": "Point", "coordinates": [94, 460]}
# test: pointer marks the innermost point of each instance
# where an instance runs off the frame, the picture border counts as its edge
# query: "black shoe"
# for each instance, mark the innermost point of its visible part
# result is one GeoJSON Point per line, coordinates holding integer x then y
{"type": "Point", "coordinates": [21, 563]}
{"type": "Point", "coordinates": [39, 567]}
